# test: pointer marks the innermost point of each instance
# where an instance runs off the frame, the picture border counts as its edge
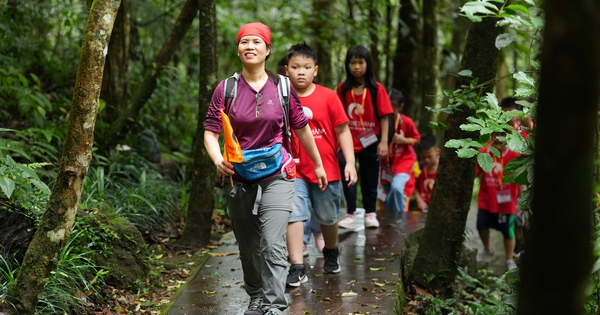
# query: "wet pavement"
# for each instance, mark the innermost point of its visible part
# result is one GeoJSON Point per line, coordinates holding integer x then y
{"type": "Point", "coordinates": [370, 265]}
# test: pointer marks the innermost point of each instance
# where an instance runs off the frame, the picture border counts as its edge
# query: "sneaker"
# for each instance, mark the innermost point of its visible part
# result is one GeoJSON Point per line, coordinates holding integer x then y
{"type": "Point", "coordinates": [348, 222]}
{"type": "Point", "coordinates": [296, 276]}
{"type": "Point", "coordinates": [319, 241]}
{"type": "Point", "coordinates": [332, 263]}
{"type": "Point", "coordinates": [271, 312]}
{"type": "Point", "coordinates": [304, 250]}
{"type": "Point", "coordinates": [485, 255]}
{"type": "Point", "coordinates": [510, 265]}
{"type": "Point", "coordinates": [519, 249]}
{"type": "Point", "coordinates": [371, 220]}
{"type": "Point", "coordinates": [254, 307]}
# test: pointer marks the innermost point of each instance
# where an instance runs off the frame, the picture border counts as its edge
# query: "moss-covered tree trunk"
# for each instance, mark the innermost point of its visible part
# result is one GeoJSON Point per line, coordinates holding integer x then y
{"type": "Point", "coordinates": [406, 57]}
{"type": "Point", "coordinates": [126, 120]}
{"type": "Point", "coordinates": [198, 221]}
{"type": "Point", "coordinates": [54, 228]}
{"type": "Point", "coordinates": [373, 31]}
{"type": "Point", "coordinates": [443, 236]}
{"type": "Point", "coordinates": [323, 37]}
{"type": "Point", "coordinates": [428, 72]}
{"type": "Point", "coordinates": [557, 264]}
{"type": "Point", "coordinates": [115, 82]}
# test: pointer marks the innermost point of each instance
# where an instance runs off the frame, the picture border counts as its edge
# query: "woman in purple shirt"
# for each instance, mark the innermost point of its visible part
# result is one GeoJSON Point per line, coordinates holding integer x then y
{"type": "Point", "coordinates": [259, 209]}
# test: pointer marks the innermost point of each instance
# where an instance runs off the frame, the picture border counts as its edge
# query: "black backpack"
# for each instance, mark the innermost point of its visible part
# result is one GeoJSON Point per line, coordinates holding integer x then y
{"type": "Point", "coordinates": [283, 89]}
{"type": "Point", "coordinates": [391, 119]}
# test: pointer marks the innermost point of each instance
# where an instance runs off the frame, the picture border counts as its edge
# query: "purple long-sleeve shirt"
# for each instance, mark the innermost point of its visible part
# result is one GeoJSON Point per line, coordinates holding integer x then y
{"type": "Point", "coordinates": [252, 132]}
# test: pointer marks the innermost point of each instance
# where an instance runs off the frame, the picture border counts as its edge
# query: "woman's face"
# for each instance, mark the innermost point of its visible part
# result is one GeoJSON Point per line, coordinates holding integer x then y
{"type": "Point", "coordinates": [253, 50]}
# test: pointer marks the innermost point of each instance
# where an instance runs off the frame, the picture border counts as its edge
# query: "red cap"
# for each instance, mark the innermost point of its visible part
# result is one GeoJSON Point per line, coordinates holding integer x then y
{"type": "Point", "coordinates": [255, 29]}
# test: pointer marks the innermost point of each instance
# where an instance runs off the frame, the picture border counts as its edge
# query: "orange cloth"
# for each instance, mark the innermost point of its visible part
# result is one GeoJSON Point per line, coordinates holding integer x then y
{"type": "Point", "coordinates": [255, 29]}
{"type": "Point", "coordinates": [232, 151]}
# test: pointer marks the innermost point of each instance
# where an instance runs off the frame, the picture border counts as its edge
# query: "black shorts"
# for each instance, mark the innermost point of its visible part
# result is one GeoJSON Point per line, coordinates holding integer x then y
{"type": "Point", "coordinates": [504, 223]}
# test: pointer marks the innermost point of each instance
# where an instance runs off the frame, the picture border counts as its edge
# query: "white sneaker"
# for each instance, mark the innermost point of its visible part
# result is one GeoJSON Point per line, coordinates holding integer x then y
{"type": "Point", "coordinates": [348, 222]}
{"type": "Point", "coordinates": [510, 265]}
{"type": "Point", "coordinates": [485, 255]}
{"type": "Point", "coordinates": [371, 220]}
{"type": "Point", "coordinates": [319, 241]}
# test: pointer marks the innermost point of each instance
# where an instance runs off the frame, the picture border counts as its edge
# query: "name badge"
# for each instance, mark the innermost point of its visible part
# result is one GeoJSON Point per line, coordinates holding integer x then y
{"type": "Point", "coordinates": [387, 174]}
{"type": "Point", "coordinates": [503, 196]}
{"type": "Point", "coordinates": [367, 138]}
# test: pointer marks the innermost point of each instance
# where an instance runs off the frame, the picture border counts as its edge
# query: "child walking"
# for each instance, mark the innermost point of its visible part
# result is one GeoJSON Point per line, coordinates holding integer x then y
{"type": "Point", "coordinates": [329, 127]}
{"type": "Point", "coordinates": [429, 154]}
{"type": "Point", "coordinates": [367, 105]}
{"type": "Point", "coordinates": [497, 202]}
{"type": "Point", "coordinates": [397, 168]}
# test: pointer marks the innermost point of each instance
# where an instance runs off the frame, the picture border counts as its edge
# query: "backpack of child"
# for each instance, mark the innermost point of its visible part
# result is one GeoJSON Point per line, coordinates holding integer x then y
{"type": "Point", "coordinates": [391, 118]}
{"type": "Point", "coordinates": [267, 157]}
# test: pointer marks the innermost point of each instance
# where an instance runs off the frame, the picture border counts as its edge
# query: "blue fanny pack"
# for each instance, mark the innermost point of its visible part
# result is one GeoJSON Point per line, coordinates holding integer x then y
{"type": "Point", "coordinates": [259, 163]}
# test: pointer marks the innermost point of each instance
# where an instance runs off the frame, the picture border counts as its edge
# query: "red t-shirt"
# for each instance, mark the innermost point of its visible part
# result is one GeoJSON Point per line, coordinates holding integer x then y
{"type": "Point", "coordinates": [403, 156]}
{"type": "Point", "coordinates": [324, 111]}
{"type": "Point", "coordinates": [425, 184]}
{"type": "Point", "coordinates": [365, 123]}
{"type": "Point", "coordinates": [494, 196]}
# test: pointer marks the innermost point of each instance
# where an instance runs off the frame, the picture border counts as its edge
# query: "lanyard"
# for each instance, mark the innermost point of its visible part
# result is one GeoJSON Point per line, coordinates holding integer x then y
{"type": "Point", "coordinates": [501, 160]}
{"type": "Point", "coordinates": [362, 104]}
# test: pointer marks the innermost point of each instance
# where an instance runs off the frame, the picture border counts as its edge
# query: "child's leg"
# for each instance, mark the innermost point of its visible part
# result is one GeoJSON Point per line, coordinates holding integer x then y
{"type": "Point", "coordinates": [484, 222]}
{"type": "Point", "coordinates": [396, 199]}
{"type": "Point", "coordinates": [349, 192]}
{"type": "Point", "coordinates": [507, 227]}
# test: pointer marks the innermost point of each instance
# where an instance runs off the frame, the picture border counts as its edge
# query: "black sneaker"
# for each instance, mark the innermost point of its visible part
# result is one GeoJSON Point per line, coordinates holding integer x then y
{"type": "Point", "coordinates": [296, 276]}
{"type": "Point", "coordinates": [332, 264]}
{"type": "Point", "coordinates": [519, 249]}
{"type": "Point", "coordinates": [254, 307]}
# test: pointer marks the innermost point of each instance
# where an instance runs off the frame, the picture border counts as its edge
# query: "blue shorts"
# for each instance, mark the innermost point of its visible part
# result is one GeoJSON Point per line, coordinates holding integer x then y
{"type": "Point", "coordinates": [324, 205]}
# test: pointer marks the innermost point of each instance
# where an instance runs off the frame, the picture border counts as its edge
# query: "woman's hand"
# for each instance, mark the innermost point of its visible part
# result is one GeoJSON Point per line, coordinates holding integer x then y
{"type": "Point", "coordinates": [225, 168]}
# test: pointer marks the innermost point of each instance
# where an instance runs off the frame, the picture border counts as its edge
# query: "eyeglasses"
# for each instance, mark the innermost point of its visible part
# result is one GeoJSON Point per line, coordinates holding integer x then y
{"type": "Point", "coordinates": [258, 112]}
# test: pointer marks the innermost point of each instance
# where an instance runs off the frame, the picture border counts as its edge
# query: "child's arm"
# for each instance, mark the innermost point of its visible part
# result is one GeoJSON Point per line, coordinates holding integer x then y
{"type": "Point", "coordinates": [421, 205]}
{"type": "Point", "coordinates": [382, 148]}
{"type": "Point", "coordinates": [347, 146]}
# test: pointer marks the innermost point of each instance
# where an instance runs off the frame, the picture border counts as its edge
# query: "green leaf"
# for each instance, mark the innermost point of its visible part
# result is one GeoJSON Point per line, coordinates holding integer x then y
{"type": "Point", "coordinates": [470, 127]}
{"type": "Point", "coordinates": [465, 73]}
{"type": "Point", "coordinates": [41, 186]}
{"type": "Point", "coordinates": [455, 143]}
{"type": "Point", "coordinates": [504, 40]}
{"type": "Point", "coordinates": [476, 120]}
{"type": "Point", "coordinates": [518, 7]}
{"type": "Point", "coordinates": [466, 153]}
{"type": "Point", "coordinates": [494, 151]}
{"type": "Point", "coordinates": [524, 92]}
{"type": "Point", "coordinates": [23, 80]}
{"type": "Point", "coordinates": [434, 125]}
{"type": "Point", "coordinates": [523, 78]}
{"type": "Point", "coordinates": [486, 131]}
{"type": "Point", "coordinates": [485, 161]}
{"type": "Point", "coordinates": [515, 142]}
{"type": "Point", "coordinates": [7, 185]}
{"type": "Point", "coordinates": [484, 137]}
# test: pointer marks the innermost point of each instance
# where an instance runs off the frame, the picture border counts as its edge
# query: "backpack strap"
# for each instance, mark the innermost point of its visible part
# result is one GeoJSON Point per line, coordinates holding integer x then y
{"type": "Point", "coordinates": [230, 91]}
{"type": "Point", "coordinates": [283, 89]}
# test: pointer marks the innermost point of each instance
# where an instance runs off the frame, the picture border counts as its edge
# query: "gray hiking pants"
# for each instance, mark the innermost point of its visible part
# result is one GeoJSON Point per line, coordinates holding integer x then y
{"type": "Point", "coordinates": [261, 237]}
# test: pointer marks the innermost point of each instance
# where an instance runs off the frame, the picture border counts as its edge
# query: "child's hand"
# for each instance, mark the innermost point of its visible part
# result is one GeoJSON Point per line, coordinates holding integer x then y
{"type": "Point", "coordinates": [421, 205]}
{"type": "Point", "coordinates": [399, 138]}
{"type": "Point", "coordinates": [350, 174]}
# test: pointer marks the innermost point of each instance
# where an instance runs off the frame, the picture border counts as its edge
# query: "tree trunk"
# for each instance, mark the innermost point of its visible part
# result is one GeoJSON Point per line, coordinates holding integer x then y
{"type": "Point", "coordinates": [387, 44]}
{"type": "Point", "coordinates": [54, 228]}
{"type": "Point", "coordinates": [323, 34]}
{"type": "Point", "coordinates": [126, 121]}
{"type": "Point", "coordinates": [429, 64]}
{"type": "Point", "coordinates": [199, 214]}
{"type": "Point", "coordinates": [115, 83]}
{"type": "Point", "coordinates": [443, 236]}
{"type": "Point", "coordinates": [373, 28]}
{"type": "Point", "coordinates": [556, 267]}
{"type": "Point", "coordinates": [406, 57]}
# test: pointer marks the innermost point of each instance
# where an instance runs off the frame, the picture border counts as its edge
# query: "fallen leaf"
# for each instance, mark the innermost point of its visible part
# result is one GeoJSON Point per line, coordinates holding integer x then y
{"type": "Point", "coordinates": [350, 294]}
